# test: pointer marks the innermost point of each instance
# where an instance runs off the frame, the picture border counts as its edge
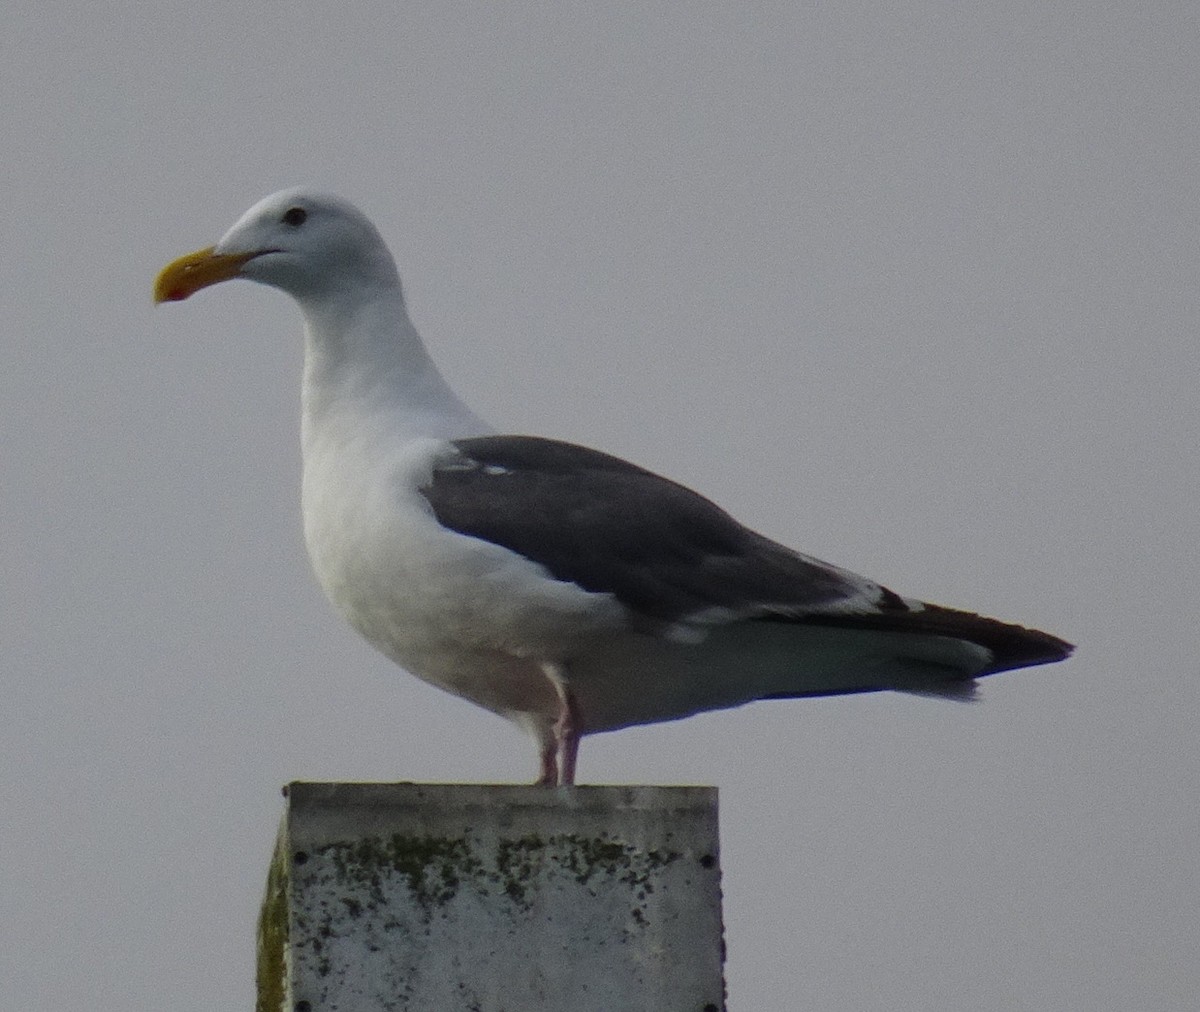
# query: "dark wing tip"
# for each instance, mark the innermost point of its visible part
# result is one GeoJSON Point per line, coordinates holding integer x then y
{"type": "Point", "coordinates": [1011, 645]}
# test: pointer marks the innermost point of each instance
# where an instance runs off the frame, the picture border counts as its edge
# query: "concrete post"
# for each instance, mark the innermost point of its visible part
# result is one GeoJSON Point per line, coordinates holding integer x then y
{"type": "Point", "coordinates": [446, 897]}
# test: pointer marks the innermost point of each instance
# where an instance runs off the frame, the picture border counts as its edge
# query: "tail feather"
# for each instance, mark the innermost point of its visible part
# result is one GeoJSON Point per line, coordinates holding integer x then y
{"type": "Point", "coordinates": [964, 691]}
{"type": "Point", "coordinates": [1010, 646]}
{"type": "Point", "coordinates": [923, 650]}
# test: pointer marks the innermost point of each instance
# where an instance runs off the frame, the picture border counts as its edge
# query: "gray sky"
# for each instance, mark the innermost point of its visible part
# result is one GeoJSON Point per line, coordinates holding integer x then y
{"type": "Point", "coordinates": [912, 288]}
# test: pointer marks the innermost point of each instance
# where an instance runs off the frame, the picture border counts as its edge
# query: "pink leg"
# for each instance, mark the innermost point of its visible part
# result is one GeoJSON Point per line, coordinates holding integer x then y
{"type": "Point", "coordinates": [566, 730]}
{"type": "Point", "coordinates": [569, 749]}
{"type": "Point", "coordinates": [548, 776]}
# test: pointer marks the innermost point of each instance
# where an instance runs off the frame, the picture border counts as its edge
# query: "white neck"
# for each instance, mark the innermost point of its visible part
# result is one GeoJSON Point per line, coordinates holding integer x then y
{"type": "Point", "coordinates": [365, 360]}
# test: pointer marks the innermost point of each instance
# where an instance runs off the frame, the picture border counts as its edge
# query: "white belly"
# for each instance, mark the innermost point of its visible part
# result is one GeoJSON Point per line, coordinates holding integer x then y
{"type": "Point", "coordinates": [471, 617]}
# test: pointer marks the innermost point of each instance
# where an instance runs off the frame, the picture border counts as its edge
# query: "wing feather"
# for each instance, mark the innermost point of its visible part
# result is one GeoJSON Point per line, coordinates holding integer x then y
{"type": "Point", "coordinates": [673, 557]}
{"type": "Point", "coordinates": [609, 526]}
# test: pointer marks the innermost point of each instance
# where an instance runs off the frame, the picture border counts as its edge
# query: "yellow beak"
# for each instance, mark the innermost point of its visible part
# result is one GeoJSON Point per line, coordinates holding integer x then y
{"type": "Point", "coordinates": [188, 274]}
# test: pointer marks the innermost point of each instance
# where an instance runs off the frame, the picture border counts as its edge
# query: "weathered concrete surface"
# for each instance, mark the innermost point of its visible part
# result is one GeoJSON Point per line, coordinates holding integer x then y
{"type": "Point", "coordinates": [445, 897]}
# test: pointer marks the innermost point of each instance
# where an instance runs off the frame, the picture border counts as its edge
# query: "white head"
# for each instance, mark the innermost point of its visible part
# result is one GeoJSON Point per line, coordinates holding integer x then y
{"type": "Point", "coordinates": [305, 243]}
{"type": "Point", "coordinates": [358, 338]}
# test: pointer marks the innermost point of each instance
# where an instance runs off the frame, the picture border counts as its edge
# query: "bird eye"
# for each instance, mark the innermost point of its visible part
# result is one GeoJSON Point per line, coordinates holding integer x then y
{"type": "Point", "coordinates": [294, 216]}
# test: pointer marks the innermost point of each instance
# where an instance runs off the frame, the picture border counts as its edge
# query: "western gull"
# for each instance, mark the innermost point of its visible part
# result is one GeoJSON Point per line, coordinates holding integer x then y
{"type": "Point", "coordinates": [560, 587]}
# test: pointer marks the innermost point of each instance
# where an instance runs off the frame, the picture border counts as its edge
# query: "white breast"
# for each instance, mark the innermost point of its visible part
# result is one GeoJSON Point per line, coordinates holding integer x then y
{"type": "Point", "coordinates": [467, 615]}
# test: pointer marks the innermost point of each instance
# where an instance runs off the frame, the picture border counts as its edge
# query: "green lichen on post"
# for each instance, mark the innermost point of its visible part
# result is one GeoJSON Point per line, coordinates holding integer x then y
{"type": "Point", "coordinates": [516, 862]}
{"type": "Point", "coordinates": [434, 867]}
{"type": "Point", "coordinates": [273, 935]}
{"type": "Point", "coordinates": [588, 857]}
{"type": "Point", "coordinates": [585, 858]}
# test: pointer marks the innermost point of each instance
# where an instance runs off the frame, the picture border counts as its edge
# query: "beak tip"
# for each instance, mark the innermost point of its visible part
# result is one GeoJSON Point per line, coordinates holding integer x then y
{"type": "Point", "coordinates": [187, 275]}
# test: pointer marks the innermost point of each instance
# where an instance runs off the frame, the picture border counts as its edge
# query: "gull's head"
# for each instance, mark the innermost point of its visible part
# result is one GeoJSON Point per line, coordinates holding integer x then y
{"type": "Point", "coordinates": [305, 243]}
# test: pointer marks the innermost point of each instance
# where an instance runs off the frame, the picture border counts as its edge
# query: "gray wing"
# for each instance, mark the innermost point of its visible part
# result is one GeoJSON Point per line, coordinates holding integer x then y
{"type": "Point", "coordinates": [672, 556]}
{"type": "Point", "coordinates": [609, 526]}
